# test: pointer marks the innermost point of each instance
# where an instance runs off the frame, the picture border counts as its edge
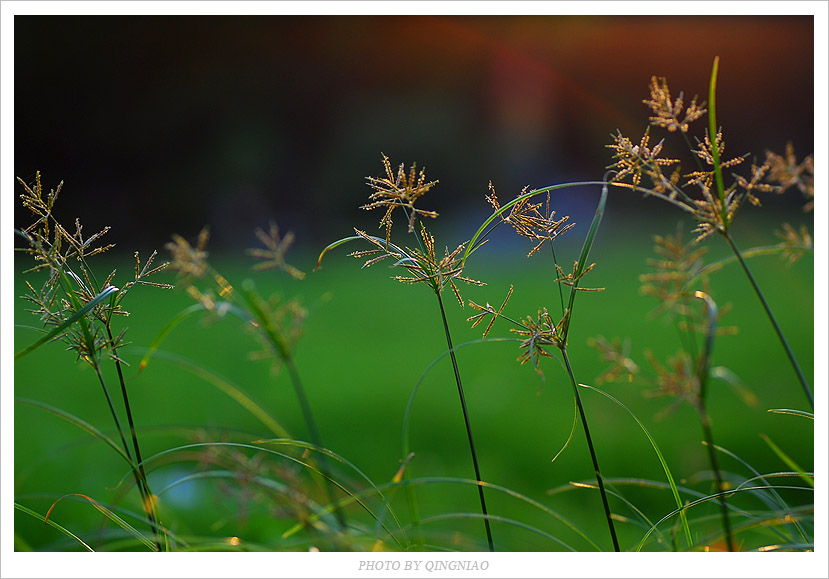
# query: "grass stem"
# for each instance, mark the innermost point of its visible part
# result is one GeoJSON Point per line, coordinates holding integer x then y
{"type": "Point", "coordinates": [800, 376]}
{"type": "Point", "coordinates": [141, 478]}
{"type": "Point", "coordinates": [592, 452]}
{"type": "Point", "coordinates": [466, 421]}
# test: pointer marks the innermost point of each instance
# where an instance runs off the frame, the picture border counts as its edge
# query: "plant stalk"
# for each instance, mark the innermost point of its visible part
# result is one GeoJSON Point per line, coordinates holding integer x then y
{"type": "Point", "coordinates": [592, 452]}
{"type": "Point", "coordinates": [466, 421]}
{"type": "Point", "coordinates": [135, 472]}
{"type": "Point", "coordinates": [703, 366]}
{"type": "Point", "coordinates": [315, 436]}
{"type": "Point", "coordinates": [712, 457]}
{"type": "Point", "coordinates": [143, 485]}
{"type": "Point", "coordinates": [800, 376]}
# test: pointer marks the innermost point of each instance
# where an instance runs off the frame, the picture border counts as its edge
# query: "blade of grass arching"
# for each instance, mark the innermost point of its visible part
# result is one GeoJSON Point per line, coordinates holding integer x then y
{"type": "Point", "coordinates": [168, 327]}
{"type": "Point", "coordinates": [111, 516]}
{"type": "Point", "coordinates": [788, 460]}
{"type": "Point", "coordinates": [499, 519]}
{"type": "Point", "coordinates": [386, 507]}
{"type": "Point", "coordinates": [802, 413]}
{"type": "Point", "coordinates": [345, 240]}
{"type": "Point", "coordinates": [719, 264]}
{"type": "Point", "coordinates": [79, 422]}
{"type": "Point", "coordinates": [644, 522]}
{"type": "Point", "coordinates": [659, 455]}
{"type": "Point", "coordinates": [715, 496]}
{"type": "Point", "coordinates": [306, 465]}
{"type": "Point", "coordinates": [777, 498]}
{"type": "Point", "coordinates": [58, 330]}
{"type": "Point", "coordinates": [451, 480]}
{"type": "Point", "coordinates": [52, 524]}
{"type": "Point", "coordinates": [585, 253]}
{"type": "Point", "coordinates": [572, 430]}
{"type": "Point", "coordinates": [767, 523]}
{"type": "Point", "coordinates": [474, 243]}
{"type": "Point", "coordinates": [410, 496]}
{"type": "Point", "coordinates": [223, 384]}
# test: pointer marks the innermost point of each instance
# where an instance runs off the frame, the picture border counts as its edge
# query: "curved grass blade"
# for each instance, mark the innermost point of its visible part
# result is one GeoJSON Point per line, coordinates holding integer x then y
{"type": "Point", "coordinates": [572, 429]}
{"type": "Point", "coordinates": [659, 455]}
{"type": "Point", "coordinates": [407, 415]}
{"type": "Point", "coordinates": [711, 497]}
{"type": "Point", "coordinates": [300, 444]}
{"type": "Point", "coordinates": [52, 524]}
{"type": "Point", "coordinates": [111, 516]}
{"type": "Point", "coordinates": [471, 246]}
{"type": "Point", "coordinates": [500, 519]}
{"type": "Point", "coordinates": [168, 327]}
{"type": "Point", "coordinates": [79, 422]}
{"type": "Point", "coordinates": [774, 494]}
{"type": "Point", "coordinates": [451, 480]}
{"type": "Point", "coordinates": [717, 265]}
{"type": "Point", "coordinates": [788, 460]}
{"type": "Point", "coordinates": [345, 240]}
{"type": "Point", "coordinates": [58, 330]}
{"type": "Point", "coordinates": [225, 385]}
{"type": "Point", "coordinates": [802, 413]}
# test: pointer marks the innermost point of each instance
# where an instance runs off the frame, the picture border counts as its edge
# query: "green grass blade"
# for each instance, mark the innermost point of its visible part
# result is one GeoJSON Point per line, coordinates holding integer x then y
{"type": "Point", "coordinates": [585, 253]}
{"type": "Point", "coordinates": [451, 480]}
{"type": "Point", "coordinates": [572, 430]}
{"type": "Point", "coordinates": [711, 497]}
{"type": "Point", "coordinates": [712, 134]}
{"type": "Point", "coordinates": [500, 519]}
{"type": "Point", "coordinates": [471, 246]}
{"type": "Point", "coordinates": [168, 327]}
{"type": "Point", "coordinates": [226, 386]}
{"type": "Point", "coordinates": [788, 460]}
{"type": "Point", "coordinates": [79, 422]}
{"type": "Point", "coordinates": [111, 516]}
{"type": "Point", "coordinates": [52, 524]}
{"type": "Point", "coordinates": [58, 330]}
{"type": "Point", "coordinates": [802, 413]}
{"type": "Point", "coordinates": [659, 455]}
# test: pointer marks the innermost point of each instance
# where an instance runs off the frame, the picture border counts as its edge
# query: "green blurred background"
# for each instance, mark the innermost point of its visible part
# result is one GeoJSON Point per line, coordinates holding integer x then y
{"type": "Point", "coordinates": [163, 125]}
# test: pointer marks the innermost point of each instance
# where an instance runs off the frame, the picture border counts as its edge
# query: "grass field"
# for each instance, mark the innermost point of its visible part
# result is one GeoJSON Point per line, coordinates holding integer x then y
{"type": "Point", "coordinates": [368, 343]}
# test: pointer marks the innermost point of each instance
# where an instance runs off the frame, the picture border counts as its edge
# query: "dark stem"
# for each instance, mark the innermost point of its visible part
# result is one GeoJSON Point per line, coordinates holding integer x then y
{"type": "Point", "coordinates": [703, 365]}
{"type": "Point", "coordinates": [712, 457]}
{"type": "Point", "coordinates": [143, 485]}
{"type": "Point", "coordinates": [315, 436]}
{"type": "Point", "coordinates": [800, 376]}
{"type": "Point", "coordinates": [138, 482]}
{"type": "Point", "coordinates": [592, 452]}
{"type": "Point", "coordinates": [468, 426]}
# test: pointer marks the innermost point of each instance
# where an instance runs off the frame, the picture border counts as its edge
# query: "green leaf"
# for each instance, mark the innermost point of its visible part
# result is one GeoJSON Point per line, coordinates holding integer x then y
{"type": "Point", "coordinates": [105, 293]}
{"type": "Point", "coordinates": [52, 524]}
{"type": "Point", "coordinates": [661, 458]}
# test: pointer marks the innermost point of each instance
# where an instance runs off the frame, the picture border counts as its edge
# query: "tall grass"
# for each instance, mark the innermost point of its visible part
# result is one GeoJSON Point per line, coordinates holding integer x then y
{"type": "Point", "coordinates": [308, 495]}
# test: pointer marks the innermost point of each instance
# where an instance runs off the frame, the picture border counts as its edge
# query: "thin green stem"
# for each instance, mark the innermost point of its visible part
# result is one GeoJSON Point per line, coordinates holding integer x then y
{"type": "Point", "coordinates": [315, 435]}
{"type": "Point", "coordinates": [703, 365]}
{"type": "Point", "coordinates": [596, 469]}
{"type": "Point", "coordinates": [139, 483]}
{"type": "Point", "coordinates": [466, 421]}
{"type": "Point", "coordinates": [712, 457]}
{"type": "Point", "coordinates": [800, 376]}
{"type": "Point", "coordinates": [147, 495]}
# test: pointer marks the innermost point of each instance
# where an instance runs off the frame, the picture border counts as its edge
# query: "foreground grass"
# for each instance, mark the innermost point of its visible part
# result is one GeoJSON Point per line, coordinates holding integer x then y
{"type": "Point", "coordinates": [360, 363]}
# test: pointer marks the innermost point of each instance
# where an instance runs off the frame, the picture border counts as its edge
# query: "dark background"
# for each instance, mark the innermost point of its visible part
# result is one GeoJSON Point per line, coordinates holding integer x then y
{"type": "Point", "coordinates": [164, 124]}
